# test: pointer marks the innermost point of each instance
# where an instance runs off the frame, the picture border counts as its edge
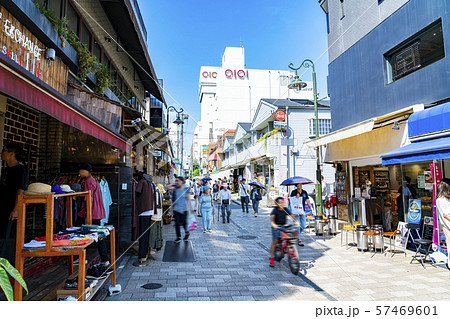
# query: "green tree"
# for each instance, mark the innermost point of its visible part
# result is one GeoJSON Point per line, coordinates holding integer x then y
{"type": "Point", "coordinates": [196, 172]}
{"type": "Point", "coordinates": [195, 164]}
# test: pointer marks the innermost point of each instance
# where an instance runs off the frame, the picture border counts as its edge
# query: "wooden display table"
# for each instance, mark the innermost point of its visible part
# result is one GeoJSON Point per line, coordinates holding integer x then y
{"type": "Point", "coordinates": [48, 250]}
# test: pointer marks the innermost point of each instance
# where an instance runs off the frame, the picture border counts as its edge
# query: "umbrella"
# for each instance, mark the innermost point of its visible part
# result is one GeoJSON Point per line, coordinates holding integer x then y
{"type": "Point", "coordinates": [207, 178]}
{"type": "Point", "coordinates": [296, 180]}
{"type": "Point", "coordinates": [257, 184]}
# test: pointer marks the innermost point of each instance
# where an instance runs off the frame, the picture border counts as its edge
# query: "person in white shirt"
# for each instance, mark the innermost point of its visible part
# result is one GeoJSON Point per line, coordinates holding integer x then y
{"type": "Point", "coordinates": [244, 193]}
{"type": "Point", "coordinates": [197, 190]}
{"type": "Point", "coordinates": [443, 210]}
{"type": "Point", "coordinates": [224, 198]}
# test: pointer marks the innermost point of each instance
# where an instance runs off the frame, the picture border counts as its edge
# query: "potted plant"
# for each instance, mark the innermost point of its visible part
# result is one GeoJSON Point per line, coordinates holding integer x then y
{"type": "Point", "coordinates": [5, 269]}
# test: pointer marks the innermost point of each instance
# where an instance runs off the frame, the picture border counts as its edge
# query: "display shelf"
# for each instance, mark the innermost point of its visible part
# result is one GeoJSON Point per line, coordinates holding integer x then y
{"type": "Point", "coordinates": [49, 250]}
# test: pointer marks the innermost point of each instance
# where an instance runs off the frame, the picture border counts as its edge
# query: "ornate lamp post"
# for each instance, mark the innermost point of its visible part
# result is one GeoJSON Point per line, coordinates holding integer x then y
{"type": "Point", "coordinates": [178, 121]}
{"type": "Point", "coordinates": [297, 85]}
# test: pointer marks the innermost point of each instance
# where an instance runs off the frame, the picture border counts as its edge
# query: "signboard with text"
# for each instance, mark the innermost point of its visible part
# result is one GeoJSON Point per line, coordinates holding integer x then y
{"type": "Point", "coordinates": [280, 115]}
{"type": "Point", "coordinates": [414, 211]}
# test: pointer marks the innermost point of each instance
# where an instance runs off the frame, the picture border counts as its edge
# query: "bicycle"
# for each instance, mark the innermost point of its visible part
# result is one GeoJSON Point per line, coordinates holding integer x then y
{"type": "Point", "coordinates": [287, 245]}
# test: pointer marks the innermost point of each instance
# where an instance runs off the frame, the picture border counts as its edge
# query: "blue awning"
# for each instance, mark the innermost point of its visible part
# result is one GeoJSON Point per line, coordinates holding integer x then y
{"type": "Point", "coordinates": [435, 119]}
{"type": "Point", "coordinates": [426, 150]}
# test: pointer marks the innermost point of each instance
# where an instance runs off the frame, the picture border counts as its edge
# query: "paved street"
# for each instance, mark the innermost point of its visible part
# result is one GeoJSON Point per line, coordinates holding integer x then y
{"type": "Point", "coordinates": [230, 268]}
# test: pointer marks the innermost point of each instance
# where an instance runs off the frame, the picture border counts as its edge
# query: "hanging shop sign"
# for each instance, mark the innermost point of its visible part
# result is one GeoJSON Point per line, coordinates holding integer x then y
{"type": "Point", "coordinates": [414, 211]}
{"type": "Point", "coordinates": [157, 153]}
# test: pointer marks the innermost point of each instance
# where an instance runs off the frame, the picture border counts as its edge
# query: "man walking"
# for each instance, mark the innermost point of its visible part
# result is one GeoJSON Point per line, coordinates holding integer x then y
{"type": "Point", "coordinates": [225, 202]}
{"type": "Point", "coordinates": [244, 194]}
{"type": "Point", "coordinates": [182, 206]}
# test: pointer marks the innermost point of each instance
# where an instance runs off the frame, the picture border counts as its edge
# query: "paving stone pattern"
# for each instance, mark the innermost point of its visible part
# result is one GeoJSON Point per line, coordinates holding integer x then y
{"type": "Point", "coordinates": [228, 268]}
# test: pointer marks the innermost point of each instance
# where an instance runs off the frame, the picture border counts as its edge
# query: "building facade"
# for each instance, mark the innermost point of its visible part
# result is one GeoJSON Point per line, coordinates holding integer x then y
{"type": "Point", "coordinates": [230, 93]}
{"type": "Point", "coordinates": [71, 94]}
{"type": "Point", "coordinates": [379, 86]}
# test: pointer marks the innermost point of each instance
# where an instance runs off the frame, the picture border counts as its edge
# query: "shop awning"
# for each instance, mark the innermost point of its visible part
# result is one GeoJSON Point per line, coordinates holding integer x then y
{"type": "Point", "coordinates": [425, 150]}
{"type": "Point", "coordinates": [15, 83]}
{"type": "Point", "coordinates": [341, 134]}
{"type": "Point", "coordinates": [432, 120]}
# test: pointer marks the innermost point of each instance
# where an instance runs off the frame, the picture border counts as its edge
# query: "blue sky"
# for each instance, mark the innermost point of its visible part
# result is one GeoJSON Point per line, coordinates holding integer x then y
{"type": "Point", "coordinates": [184, 35]}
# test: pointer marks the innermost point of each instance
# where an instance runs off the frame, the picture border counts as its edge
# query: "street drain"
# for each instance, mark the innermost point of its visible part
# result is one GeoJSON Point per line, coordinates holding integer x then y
{"type": "Point", "coordinates": [246, 237]}
{"type": "Point", "coordinates": [152, 286]}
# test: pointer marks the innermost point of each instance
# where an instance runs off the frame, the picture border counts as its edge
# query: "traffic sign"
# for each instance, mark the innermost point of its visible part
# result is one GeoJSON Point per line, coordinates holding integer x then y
{"type": "Point", "coordinates": [280, 115]}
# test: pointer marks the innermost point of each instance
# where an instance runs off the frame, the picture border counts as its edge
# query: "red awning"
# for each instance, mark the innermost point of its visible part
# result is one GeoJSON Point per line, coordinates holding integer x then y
{"type": "Point", "coordinates": [35, 93]}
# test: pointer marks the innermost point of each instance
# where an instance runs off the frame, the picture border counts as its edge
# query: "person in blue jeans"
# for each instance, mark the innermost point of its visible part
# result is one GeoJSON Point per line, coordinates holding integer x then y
{"type": "Point", "coordinates": [245, 199]}
{"type": "Point", "coordinates": [298, 199]}
{"type": "Point", "coordinates": [255, 202]}
{"type": "Point", "coordinates": [206, 208]}
{"type": "Point", "coordinates": [225, 201]}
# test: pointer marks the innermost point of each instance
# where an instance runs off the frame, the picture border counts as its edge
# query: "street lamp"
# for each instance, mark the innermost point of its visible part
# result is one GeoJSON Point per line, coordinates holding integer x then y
{"type": "Point", "coordinates": [178, 121]}
{"type": "Point", "coordinates": [298, 85]}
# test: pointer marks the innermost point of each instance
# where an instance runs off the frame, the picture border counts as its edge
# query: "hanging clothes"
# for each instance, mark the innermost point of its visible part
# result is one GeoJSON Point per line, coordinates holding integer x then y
{"type": "Point", "coordinates": [107, 199]}
{"type": "Point", "coordinates": [156, 231]}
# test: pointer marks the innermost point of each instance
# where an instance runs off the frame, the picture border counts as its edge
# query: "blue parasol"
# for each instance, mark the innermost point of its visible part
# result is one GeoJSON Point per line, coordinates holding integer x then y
{"type": "Point", "coordinates": [257, 184]}
{"type": "Point", "coordinates": [207, 178]}
{"type": "Point", "coordinates": [296, 180]}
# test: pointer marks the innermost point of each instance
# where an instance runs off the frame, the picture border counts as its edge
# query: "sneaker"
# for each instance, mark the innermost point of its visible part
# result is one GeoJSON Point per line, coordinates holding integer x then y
{"type": "Point", "coordinates": [95, 273]}
{"type": "Point", "coordinates": [271, 262]}
{"type": "Point", "coordinates": [210, 231]}
{"type": "Point", "coordinates": [104, 269]}
{"type": "Point", "coordinates": [256, 215]}
{"type": "Point", "coordinates": [186, 237]}
{"type": "Point", "coordinates": [205, 231]}
{"type": "Point", "coordinates": [300, 243]}
{"type": "Point", "coordinates": [177, 241]}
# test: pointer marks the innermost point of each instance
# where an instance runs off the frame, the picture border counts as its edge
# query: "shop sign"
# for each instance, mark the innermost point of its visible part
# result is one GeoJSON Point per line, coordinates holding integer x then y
{"type": "Point", "coordinates": [280, 115]}
{"type": "Point", "coordinates": [17, 46]}
{"type": "Point", "coordinates": [210, 75]}
{"type": "Point", "coordinates": [415, 211]}
{"type": "Point", "coordinates": [237, 74]}
{"type": "Point", "coordinates": [157, 153]}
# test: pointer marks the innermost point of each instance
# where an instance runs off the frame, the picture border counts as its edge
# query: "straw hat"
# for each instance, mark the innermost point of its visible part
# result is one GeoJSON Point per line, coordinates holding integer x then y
{"type": "Point", "coordinates": [38, 189]}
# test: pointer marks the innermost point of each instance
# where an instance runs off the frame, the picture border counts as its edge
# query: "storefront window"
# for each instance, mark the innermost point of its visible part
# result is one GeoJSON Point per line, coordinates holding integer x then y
{"type": "Point", "coordinates": [418, 184]}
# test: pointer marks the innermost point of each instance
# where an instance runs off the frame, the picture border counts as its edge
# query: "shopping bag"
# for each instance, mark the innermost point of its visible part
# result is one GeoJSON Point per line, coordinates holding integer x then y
{"type": "Point", "coordinates": [8, 245]}
{"type": "Point", "coordinates": [191, 222]}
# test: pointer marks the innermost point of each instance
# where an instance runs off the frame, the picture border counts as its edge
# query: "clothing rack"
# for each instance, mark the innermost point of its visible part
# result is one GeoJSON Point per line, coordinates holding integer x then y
{"type": "Point", "coordinates": [50, 251]}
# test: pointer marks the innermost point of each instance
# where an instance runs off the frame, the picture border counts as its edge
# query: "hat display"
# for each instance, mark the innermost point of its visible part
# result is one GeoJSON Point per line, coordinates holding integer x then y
{"type": "Point", "coordinates": [75, 187]}
{"type": "Point", "coordinates": [66, 189]}
{"type": "Point", "coordinates": [38, 189]}
{"type": "Point", "coordinates": [57, 189]}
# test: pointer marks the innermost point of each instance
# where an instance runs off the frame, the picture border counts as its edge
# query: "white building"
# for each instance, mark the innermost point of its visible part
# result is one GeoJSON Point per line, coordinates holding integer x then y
{"type": "Point", "coordinates": [258, 147]}
{"type": "Point", "coordinates": [230, 93]}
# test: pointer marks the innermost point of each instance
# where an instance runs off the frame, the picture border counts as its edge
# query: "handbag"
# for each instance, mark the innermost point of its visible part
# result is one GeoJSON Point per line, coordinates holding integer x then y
{"type": "Point", "coordinates": [258, 197]}
{"type": "Point", "coordinates": [191, 222]}
{"type": "Point", "coordinates": [8, 245]}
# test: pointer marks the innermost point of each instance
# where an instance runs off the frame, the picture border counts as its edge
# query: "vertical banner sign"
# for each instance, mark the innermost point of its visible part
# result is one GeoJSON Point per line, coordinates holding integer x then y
{"type": "Point", "coordinates": [437, 177]}
{"type": "Point", "coordinates": [415, 211]}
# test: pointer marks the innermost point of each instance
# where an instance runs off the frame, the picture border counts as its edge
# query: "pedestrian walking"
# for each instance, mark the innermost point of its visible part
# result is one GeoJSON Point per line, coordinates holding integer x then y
{"type": "Point", "coordinates": [244, 194]}
{"type": "Point", "coordinates": [197, 191]}
{"type": "Point", "coordinates": [216, 189]}
{"type": "Point", "coordinates": [206, 208]}
{"type": "Point", "coordinates": [297, 201]}
{"type": "Point", "coordinates": [443, 209]}
{"type": "Point", "coordinates": [182, 206]}
{"type": "Point", "coordinates": [255, 195]}
{"type": "Point", "coordinates": [225, 200]}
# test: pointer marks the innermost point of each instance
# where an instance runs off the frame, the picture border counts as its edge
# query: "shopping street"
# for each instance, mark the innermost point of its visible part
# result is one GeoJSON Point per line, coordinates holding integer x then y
{"type": "Point", "coordinates": [231, 268]}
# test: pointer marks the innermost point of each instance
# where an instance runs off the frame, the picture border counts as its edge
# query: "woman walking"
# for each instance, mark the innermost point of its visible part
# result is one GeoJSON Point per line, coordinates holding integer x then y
{"type": "Point", "coordinates": [206, 208]}
{"type": "Point", "coordinates": [443, 209]}
{"type": "Point", "coordinates": [255, 195]}
{"type": "Point", "coordinates": [181, 207]}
